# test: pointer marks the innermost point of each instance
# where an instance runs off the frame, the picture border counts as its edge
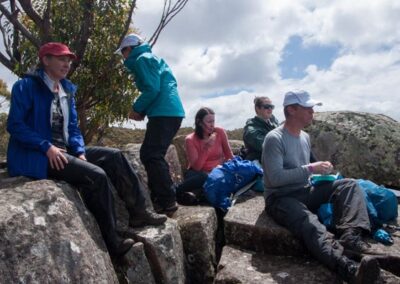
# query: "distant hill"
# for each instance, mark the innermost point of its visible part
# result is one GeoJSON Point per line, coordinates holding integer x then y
{"type": "Point", "coordinates": [116, 136]}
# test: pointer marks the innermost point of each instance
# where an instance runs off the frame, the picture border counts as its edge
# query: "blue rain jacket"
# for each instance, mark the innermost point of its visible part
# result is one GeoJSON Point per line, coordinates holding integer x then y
{"type": "Point", "coordinates": [30, 129]}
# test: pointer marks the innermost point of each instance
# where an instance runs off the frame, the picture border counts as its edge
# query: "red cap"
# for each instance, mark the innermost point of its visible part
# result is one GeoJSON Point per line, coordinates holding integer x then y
{"type": "Point", "coordinates": [56, 49]}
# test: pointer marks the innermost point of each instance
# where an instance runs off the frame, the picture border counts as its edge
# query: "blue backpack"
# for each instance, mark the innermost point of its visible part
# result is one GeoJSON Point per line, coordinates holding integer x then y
{"type": "Point", "coordinates": [228, 178]}
{"type": "Point", "coordinates": [381, 202]}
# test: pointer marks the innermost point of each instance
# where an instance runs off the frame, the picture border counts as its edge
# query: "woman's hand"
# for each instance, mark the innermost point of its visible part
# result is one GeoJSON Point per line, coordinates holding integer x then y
{"type": "Point", "coordinates": [209, 142]}
{"type": "Point", "coordinates": [56, 158]}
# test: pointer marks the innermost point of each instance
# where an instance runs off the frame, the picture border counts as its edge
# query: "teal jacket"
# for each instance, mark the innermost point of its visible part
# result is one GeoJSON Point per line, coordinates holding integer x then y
{"type": "Point", "coordinates": [154, 79]}
{"type": "Point", "coordinates": [254, 134]}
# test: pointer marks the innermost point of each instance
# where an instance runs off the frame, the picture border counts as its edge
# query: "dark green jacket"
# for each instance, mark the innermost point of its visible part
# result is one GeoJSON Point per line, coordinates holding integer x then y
{"type": "Point", "coordinates": [254, 133]}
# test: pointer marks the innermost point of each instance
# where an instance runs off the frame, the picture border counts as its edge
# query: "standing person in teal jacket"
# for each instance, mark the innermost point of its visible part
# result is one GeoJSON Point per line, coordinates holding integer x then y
{"type": "Point", "coordinates": [159, 101]}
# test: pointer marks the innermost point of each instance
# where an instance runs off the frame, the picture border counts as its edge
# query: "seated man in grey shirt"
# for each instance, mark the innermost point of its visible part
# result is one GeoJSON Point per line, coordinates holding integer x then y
{"type": "Point", "coordinates": [293, 203]}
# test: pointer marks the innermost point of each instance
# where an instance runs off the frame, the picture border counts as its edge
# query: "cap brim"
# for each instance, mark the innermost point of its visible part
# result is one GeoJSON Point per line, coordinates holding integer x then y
{"type": "Point", "coordinates": [311, 103]}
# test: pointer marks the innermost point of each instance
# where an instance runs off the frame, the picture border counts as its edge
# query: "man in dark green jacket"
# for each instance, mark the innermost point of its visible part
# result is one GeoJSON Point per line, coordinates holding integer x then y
{"type": "Point", "coordinates": [257, 127]}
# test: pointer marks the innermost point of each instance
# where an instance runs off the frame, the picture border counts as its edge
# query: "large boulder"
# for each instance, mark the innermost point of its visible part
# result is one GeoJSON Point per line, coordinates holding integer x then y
{"type": "Point", "coordinates": [360, 145]}
{"type": "Point", "coordinates": [48, 236]}
{"type": "Point", "coordinates": [132, 152]}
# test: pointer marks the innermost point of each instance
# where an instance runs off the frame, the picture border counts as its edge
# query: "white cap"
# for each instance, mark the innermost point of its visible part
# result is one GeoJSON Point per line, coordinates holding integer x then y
{"type": "Point", "coordinates": [300, 97]}
{"type": "Point", "coordinates": [130, 40]}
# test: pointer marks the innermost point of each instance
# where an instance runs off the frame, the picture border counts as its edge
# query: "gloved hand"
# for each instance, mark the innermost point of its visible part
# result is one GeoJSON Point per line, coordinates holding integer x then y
{"type": "Point", "coordinates": [383, 237]}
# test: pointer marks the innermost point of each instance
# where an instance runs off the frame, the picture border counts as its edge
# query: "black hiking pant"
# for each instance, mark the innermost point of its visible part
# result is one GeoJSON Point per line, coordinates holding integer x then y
{"type": "Point", "coordinates": [104, 168]}
{"type": "Point", "coordinates": [297, 212]}
{"type": "Point", "coordinates": [159, 134]}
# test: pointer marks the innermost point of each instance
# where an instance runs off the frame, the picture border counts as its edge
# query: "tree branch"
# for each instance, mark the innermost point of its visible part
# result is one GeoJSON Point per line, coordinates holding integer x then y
{"type": "Point", "coordinates": [31, 13]}
{"type": "Point", "coordinates": [84, 34]}
{"type": "Point", "coordinates": [168, 14]}
{"type": "Point", "coordinates": [17, 25]}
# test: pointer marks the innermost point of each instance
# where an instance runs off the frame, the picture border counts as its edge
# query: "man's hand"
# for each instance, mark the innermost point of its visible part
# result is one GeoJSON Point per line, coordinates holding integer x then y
{"type": "Point", "coordinates": [135, 116]}
{"type": "Point", "coordinates": [82, 157]}
{"type": "Point", "coordinates": [56, 158]}
{"type": "Point", "coordinates": [322, 168]}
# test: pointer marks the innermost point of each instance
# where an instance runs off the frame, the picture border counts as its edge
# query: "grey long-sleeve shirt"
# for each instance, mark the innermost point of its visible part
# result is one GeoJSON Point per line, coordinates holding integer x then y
{"type": "Point", "coordinates": [285, 158]}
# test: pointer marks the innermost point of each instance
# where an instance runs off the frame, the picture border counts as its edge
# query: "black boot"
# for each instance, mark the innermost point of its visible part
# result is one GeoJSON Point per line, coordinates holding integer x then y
{"type": "Point", "coordinates": [145, 218]}
{"type": "Point", "coordinates": [121, 248]}
{"type": "Point", "coordinates": [354, 246]}
{"type": "Point", "coordinates": [367, 272]}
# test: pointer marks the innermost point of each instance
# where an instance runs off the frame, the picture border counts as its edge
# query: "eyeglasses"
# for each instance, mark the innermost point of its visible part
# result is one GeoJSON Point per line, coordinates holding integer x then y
{"type": "Point", "coordinates": [267, 106]}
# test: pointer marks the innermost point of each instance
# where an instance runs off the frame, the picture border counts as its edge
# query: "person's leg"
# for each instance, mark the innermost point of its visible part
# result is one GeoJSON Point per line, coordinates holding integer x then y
{"type": "Point", "coordinates": [297, 218]}
{"type": "Point", "coordinates": [350, 217]}
{"type": "Point", "coordinates": [349, 206]}
{"type": "Point", "coordinates": [159, 134]}
{"type": "Point", "coordinates": [127, 184]}
{"type": "Point", "coordinates": [95, 189]}
{"type": "Point", "coordinates": [190, 191]}
{"type": "Point", "coordinates": [294, 215]}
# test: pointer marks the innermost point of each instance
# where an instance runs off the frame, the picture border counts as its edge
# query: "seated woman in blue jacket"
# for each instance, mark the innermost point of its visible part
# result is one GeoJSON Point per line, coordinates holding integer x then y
{"type": "Point", "coordinates": [45, 141]}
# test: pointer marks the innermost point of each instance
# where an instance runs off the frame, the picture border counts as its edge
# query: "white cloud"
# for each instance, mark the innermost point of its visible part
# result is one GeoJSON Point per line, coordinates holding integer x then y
{"type": "Point", "coordinates": [215, 46]}
{"type": "Point", "coordinates": [225, 46]}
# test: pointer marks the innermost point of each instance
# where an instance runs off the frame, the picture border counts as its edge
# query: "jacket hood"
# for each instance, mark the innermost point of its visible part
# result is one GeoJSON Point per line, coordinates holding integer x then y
{"type": "Point", "coordinates": [135, 53]}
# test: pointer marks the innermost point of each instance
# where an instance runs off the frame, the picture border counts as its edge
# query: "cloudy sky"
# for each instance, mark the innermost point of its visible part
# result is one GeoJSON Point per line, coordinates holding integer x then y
{"type": "Point", "coordinates": [226, 52]}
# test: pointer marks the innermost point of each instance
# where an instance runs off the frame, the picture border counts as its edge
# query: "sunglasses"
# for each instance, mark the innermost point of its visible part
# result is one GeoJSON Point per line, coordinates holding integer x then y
{"type": "Point", "coordinates": [267, 106]}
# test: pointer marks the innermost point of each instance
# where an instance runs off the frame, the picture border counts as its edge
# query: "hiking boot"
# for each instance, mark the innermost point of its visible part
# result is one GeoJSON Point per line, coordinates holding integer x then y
{"type": "Point", "coordinates": [353, 244]}
{"type": "Point", "coordinates": [187, 198]}
{"type": "Point", "coordinates": [122, 248]}
{"type": "Point", "coordinates": [147, 218]}
{"type": "Point", "coordinates": [168, 209]}
{"type": "Point", "coordinates": [367, 272]}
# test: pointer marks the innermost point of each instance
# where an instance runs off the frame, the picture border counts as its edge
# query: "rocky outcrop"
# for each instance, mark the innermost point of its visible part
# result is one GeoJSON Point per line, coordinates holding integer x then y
{"type": "Point", "coordinates": [39, 244]}
{"type": "Point", "coordinates": [360, 145]}
{"type": "Point", "coordinates": [48, 236]}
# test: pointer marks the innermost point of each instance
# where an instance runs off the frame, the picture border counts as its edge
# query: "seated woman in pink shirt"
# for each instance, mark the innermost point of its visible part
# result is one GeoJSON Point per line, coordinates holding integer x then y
{"type": "Point", "coordinates": [206, 148]}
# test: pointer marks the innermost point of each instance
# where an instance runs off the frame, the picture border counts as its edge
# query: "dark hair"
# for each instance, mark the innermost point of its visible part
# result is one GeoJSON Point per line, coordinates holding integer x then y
{"type": "Point", "coordinates": [201, 113]}
{"type": "Point", "coordinates": [258, 101]}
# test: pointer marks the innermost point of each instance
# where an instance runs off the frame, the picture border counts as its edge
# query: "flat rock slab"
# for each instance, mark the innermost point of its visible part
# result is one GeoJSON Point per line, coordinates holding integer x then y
{"type": "Point", "coordinates": [241, 266]}
{"type": "Point", "coordinates": [249, 227]}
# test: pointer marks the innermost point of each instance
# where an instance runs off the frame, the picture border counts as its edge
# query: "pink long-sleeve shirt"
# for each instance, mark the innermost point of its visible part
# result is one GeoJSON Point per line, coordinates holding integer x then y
{"type": "Point", "coordinates": [204, 158]}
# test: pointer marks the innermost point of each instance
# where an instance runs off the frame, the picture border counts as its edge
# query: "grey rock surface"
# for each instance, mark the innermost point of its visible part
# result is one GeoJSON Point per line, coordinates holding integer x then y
{"type": "Point", "coordinates": [164, 251]}
{"type": "Point", "coordinates": [241, 266]}
{"type": "Point", "coordinates": [132, 152]}
{"type": "Point", "coordinates": [48, 236]}
{"type": "Point", "coordinates": [249, 227]}
{"type": "Point", "coordinates": [359, 145]}
{"type": "Point", "coordinates": [198, 228]}
{"type": "Point", "coordinates": [135, 268]}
